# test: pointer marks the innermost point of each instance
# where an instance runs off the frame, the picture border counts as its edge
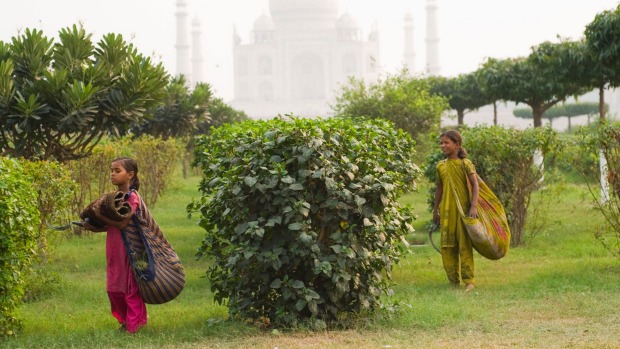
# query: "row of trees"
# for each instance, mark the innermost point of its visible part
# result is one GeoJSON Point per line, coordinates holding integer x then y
{"type": "Point", "coordinates": [550, 74]}
{"type": "Point", "coordinates": [60, 99]}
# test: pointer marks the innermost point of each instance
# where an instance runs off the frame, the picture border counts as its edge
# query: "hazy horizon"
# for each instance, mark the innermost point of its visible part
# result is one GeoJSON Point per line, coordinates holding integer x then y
{"type": "Point", "coordinates": [469, 31]}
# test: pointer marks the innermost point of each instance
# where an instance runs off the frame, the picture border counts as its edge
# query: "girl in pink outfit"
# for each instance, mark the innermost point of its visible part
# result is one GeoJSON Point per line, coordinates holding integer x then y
{"type": "Point", "coordinates": [127, 304]}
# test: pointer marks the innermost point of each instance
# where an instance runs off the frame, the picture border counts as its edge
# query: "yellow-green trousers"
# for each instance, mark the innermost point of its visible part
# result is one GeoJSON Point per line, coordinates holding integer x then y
{"type": "Point", "coordinates": [458, 260]}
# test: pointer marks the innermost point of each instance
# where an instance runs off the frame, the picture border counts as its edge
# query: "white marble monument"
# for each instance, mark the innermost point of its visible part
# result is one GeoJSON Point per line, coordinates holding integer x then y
{"type": "Point", "coordinates": [299, 54]}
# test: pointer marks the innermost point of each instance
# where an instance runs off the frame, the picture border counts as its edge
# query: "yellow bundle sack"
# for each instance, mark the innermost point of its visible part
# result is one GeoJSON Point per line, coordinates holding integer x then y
{"type": "Point", "coordinates": [489, 233]}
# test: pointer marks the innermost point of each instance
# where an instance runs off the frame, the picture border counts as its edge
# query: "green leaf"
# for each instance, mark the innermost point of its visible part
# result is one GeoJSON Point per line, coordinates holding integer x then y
{"type": "Point", "coordinates": [300, 304]}
{"type": "Point", "coordinates": [273, 221]}
{"type": "Point", "coordinates": [296, 186]}
{"type": "Point", "coordinates": [359, 200]}
{"type": "Point", "coordinates": [288, 180]}
{"type": "Point", "coordinates": [297, 284]}
{"type": "Point", "coordinates": [305, 238]}
{"type": "Point", "coordinates": [295, 226]}
{"type": "Point", "coordinates": [277, 283]}
{"type": "Point", "coordinates": [250, 181]}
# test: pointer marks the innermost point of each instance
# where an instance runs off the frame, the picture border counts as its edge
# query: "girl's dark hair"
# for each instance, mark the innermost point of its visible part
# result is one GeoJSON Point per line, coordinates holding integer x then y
{"type": "Point", "coordinates": [456, 137]}
{"type": "Point", "coordinates": [130, 164]}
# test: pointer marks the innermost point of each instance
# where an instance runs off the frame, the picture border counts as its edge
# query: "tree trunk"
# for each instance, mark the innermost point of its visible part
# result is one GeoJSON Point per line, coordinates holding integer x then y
{"type": "Point", "coordinates": [604, 169]}
{"type": "Point", "coordinates": [185, 162]}
{"type": "Point", "coordinates": [461, 116]}
{"type": "Point", "coordinates": [494, 113]}
{"type": "Point", "coordinates": [569, 124]}
{"type": "Point", "coordinates": [601, 101]}
{"type": "Point", "coordinates": [537, 112]}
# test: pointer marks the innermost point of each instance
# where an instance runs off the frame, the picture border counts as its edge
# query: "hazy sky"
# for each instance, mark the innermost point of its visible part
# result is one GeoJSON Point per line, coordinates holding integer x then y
{"type": "Point", "coordinates": [469, 30]}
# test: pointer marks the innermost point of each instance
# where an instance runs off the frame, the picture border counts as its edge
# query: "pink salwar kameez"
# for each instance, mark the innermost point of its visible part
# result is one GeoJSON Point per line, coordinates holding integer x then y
{"type": "Point", "coordinates": [127, 304]}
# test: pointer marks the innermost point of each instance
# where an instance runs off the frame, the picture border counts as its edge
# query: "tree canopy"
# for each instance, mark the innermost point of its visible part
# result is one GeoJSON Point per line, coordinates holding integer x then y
{"type": "Point", "coordinates": [58, 99]}
{"type": "Point", "coordinates": [603, 49]}
{"type": "Point", "coordinates": [541, 80]}
{"type": "Point", "coordinates": [222, 113]}
{"type": "Point", "coordinates": [181, 113]}
{"type": "Point", "coordinates": [405, 101]}
{"type": "Point", "coordinates": [463, 93]}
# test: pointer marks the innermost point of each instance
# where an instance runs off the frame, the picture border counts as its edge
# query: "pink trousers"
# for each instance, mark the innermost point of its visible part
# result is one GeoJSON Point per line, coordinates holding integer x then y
{"type": "Point", "coordinates": [128, 308]}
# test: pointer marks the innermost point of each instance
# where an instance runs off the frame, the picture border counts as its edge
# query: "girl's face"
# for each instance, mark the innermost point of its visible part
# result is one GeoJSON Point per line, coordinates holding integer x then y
{"type": "Point", "coordinates": [448, 147]}
{"type": "Point", "coordinates": [119, 175]}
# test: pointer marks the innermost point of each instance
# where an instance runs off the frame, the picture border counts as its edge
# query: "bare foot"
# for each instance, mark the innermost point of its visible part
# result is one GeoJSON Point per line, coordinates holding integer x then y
{"type": "Point", "coordinates": [469, 287]}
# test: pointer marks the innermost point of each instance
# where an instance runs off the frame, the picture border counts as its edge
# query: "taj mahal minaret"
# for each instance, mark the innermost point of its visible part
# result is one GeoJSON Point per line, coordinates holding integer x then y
{"type": "Point", "coordinates": [183, 44]}
{"type": "Point", "coordinates": [196, 52]}
{"type": "Point", "coordinates": [409, 55]}
{"type": "Point", "coordinates": [432, 39]}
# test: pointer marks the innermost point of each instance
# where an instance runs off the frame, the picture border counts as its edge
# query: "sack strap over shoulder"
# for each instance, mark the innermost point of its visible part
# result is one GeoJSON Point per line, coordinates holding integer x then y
{"type": "Point", "coordinates": [456, 196]}
{"type": "Point", "coordinates": [467, 179]}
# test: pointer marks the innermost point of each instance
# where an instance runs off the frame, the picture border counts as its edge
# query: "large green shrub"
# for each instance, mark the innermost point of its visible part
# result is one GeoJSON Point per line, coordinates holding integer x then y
{"type": "Point", "coordinates": [605, 140]}
{"type": "Point", "coordinates": [55, 190]}
{"type": "Point", "coordinates": [575, 161]}
{"type": "Point", "coordinates": [301, 216]}
{"type": "Point", "coordinates": [19, 219]}
{"type": "Point", "coordinates": [505, 160]}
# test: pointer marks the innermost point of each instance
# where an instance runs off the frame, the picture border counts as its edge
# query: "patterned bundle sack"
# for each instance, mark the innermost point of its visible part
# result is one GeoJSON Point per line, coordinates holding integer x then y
{"type": "Point", "coordinates": [154, 262]}
{"type": "Point", "coordinates": [490, 233]}
{"type": "Point", "coordinates": [112, 206]}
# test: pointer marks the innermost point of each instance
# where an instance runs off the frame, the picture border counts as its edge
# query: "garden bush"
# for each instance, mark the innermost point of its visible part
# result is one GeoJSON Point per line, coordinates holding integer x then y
{"type": "Point", "coordinates": [19, 219]}
{"type": "Point", "coordinates": [576, 162]}
{"type": "Point", "coordinates": [301, 216]}
{"type": "Point", "coordinates": [55, 190]}
{"type": "Point", "coordinates": [605, 140]}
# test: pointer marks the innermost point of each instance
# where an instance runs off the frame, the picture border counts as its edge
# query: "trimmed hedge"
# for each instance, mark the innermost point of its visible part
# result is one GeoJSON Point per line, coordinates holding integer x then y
{"type": "Point", "coordinates": [301, 216]}
{"type": "Point", "coordinates": [19, 219]}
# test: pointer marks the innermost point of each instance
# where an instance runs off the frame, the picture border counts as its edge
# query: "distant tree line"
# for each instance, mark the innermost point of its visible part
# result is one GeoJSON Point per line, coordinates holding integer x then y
{"type": "Point", "coordinates": [550, 74]}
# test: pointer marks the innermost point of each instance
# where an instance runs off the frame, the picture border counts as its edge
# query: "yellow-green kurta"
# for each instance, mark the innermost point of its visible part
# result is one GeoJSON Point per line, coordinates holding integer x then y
{"type": "Point", "coordinates": [455, 243]}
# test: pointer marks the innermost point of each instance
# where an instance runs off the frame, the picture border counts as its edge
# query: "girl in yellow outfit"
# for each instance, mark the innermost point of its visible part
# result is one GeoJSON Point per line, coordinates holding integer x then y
{"type": "Point", "coordinates": [456, 248]}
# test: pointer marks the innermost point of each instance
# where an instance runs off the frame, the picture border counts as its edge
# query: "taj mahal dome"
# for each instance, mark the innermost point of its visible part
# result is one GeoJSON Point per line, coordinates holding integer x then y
{"type": "Point", "coordinates": [300, 52]}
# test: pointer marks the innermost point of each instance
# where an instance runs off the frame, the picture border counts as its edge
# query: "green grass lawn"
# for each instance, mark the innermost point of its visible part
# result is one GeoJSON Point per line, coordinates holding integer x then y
{"type": "Point", "coordinates": [561, 290]}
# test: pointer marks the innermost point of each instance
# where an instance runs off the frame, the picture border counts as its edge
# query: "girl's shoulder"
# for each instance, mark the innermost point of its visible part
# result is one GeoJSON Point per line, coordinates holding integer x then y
{"type": "Point", "coordinates": [441, 163]}
{"type": "Point", "coordinates": [469, 165]}
{"type": "Point", "coordinates": [466, 161]}
{"type": "Point", "coordinates": [133, 197]}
